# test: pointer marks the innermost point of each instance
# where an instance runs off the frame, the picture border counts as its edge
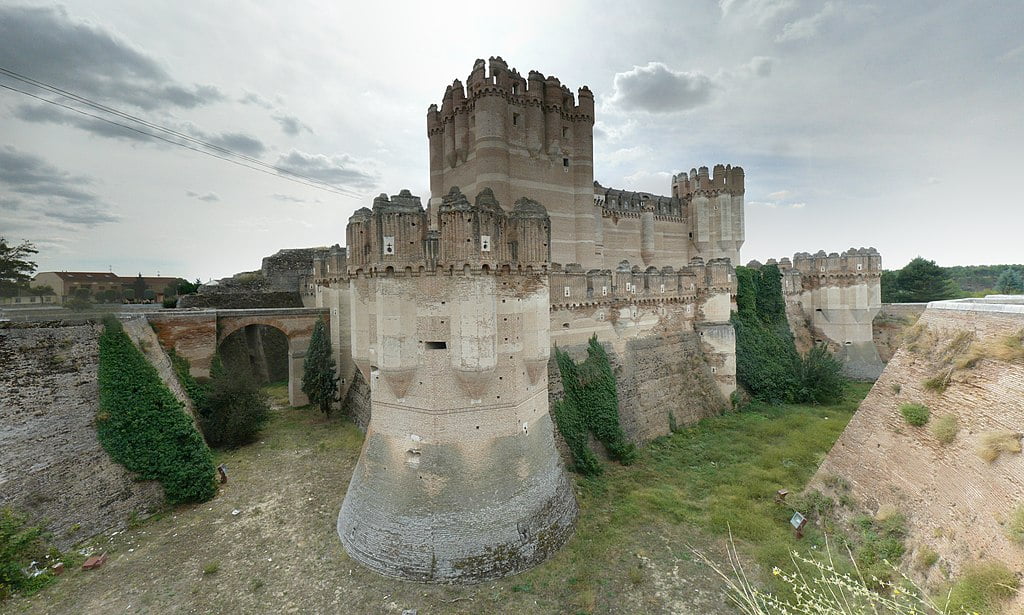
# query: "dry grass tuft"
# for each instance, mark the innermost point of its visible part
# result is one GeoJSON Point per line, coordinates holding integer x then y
{"type": "Point", "coordinates": [918, 339]}
{"type": "Point", "coordinates": [1007, 349]}
{"type": "Point", "coordinates": [945, 428]}
{"type": "Point", "coordinates": [939, 382]}
{"type": "Point", "coordinates": [996, 442]}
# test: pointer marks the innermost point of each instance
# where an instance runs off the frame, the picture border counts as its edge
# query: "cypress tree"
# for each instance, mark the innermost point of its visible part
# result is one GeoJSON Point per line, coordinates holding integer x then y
{"type": "Point", "coordinates": [319, 378]}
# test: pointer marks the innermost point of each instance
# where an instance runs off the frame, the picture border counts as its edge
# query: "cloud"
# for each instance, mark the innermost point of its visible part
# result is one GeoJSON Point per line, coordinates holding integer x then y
{"type": "Point", "coordinates": [252, 98]}
{"type": "Point", "coordinates": [806, 27]}
{"type": "Point", "coordinates": [42, 114]}
{"type": "Point", "coordinates": [658, 182]}
{"type": "Point", "coordinates": [290, 124]}
{"type": "Point", "coordinates": [758, 12]}
{"type": "Point", "coordinates": [38, 188]}
{"type": "Point", "coordinates": [760, 66]}
{"type": "Point", "coordinates": [209, 197]}
{"type": "Point", "coordinates": [292, 199]}
{"type": "Point", "coordinates": [776, 200]}
{"type": "Point", "coordinates": [656, 88]}
{"type": "Point", "coordinates": [238, 142]}
{"type": "Point", "coordinates": [627, 154]}
{"type": "Point", "coordinates": [797, 205]}
{"type": "Point", "coordinates": [338, 170]}
{"type": "Point", "coordinates": [778, 196]}
{"type": "Point", "coordinates": [47, 44]}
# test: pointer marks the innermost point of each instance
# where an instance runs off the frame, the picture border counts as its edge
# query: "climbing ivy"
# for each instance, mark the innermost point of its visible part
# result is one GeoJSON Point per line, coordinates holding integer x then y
{"type": "Point", "coordinates": [195, 391]}
{"type": "Point", "coordinates": [143, 426]}
{"type": "Point", "coordinates": [767, 362]}
{"type": "Point", "coordinates": [591, 405]}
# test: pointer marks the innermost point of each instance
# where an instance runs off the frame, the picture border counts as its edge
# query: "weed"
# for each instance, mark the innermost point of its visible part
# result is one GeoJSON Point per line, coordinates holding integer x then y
{"type": "Point", "coordinates": [994, 443]}
{"type": "Point", "coordinates": [836, 483]}
{"type": "Point", "coordinates": [256, 585]}
{"type": "Point", "coordinates": [925, 558]}
{"type": "Point", "coordinates": [636, 575]}
{"type": "Point", "coordinates": [211, 568]}
{"type": "Point", "coordinates": [915, 414]}
{"type": "Point", "coordinates": [945, 428]}
{"type": "Point", "coordinates": [896, 388]}
{"type": "Point", "coordinates": [939, 382]}
{"type": "Point", "coordinates": [525, 588]}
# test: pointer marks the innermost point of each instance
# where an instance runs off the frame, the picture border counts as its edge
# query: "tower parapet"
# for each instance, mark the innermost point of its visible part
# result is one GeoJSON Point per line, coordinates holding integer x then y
{"type": "Point", "coordinates": [519, 137]}
{"type": "Point", "coordinates": [459, 478]}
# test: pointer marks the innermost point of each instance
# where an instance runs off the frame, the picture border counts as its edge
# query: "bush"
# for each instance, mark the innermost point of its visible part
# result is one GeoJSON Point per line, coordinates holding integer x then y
{"type": "Point", "coordinates": [820, 377]}
{"type": "Point", "coordinates": [20, 545]}
{"type": "Point", "coordinates": [945, 428]}
{"type": "Point", "coordinates": [994, 443]}
{"type": "Point", "coordinates": [982, 587]}
{"type": "Point", "coordinates": [143, 427]}
{"type": "Point", "coordinates": [170, 302]}
{"type": "Point", "coordinates": [195, 391]}
{"type": "Point", "coordinates": [235, 408]}
{"type": "Point", "coordinates": [915, 414]}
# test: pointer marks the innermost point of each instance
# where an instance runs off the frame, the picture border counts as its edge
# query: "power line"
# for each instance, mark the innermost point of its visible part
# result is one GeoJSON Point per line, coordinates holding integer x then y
{"type": "Point", "coordinates": [267, 168]}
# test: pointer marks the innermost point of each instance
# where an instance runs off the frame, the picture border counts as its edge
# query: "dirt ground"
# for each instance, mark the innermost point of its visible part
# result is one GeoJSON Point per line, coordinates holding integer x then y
{"type": "Point", "coordinates": [267, 544]}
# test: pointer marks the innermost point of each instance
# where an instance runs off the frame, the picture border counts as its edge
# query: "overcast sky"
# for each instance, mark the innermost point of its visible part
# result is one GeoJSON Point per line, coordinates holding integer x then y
{"type": "Point", "coordinates": [898, 125]}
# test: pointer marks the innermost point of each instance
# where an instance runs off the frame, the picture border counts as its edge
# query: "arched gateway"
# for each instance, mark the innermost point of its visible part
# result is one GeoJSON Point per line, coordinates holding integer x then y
{"type": "Point", "coordinates": [196, 335]}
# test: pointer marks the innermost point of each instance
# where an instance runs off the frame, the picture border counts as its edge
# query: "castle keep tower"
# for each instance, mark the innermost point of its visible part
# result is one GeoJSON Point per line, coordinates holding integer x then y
{"type": "Point", "coordinates": [715, 212]}
{"type": "Point", "coordinates": [519, 137]}
{"type": "Point", "coordinates": [459, 478]}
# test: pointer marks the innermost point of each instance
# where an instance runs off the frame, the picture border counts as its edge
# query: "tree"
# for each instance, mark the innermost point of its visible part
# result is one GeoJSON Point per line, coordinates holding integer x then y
{"type": "Point", "coordinates": [188, 288]}
{"type": "Point", "coordinates": [15, 268]}
{"type": "Point", "coordinates": [922, 280]}
{"type": "Point", "coordinates": [1010, 281]}
{"type": "Point", "coordinates": [139, 286]}
{"type": "Point", "coordinates": [319, 378]}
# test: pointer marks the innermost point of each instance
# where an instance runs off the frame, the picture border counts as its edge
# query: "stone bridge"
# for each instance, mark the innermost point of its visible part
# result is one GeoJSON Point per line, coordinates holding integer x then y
{"type": "Point", "coordinates": [196, 335]}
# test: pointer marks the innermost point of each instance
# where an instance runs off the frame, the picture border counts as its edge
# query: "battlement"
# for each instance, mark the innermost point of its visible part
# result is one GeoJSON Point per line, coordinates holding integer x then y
{"type": "Point", "coordinates": [629, 202]}
{"type": "Point", "coordinates": [726, 179]}
{"type": "Point", "coordinates": [394, 237]}
{"type": "Point", "coordinates": [853, 261]}
{"type": "Point", "coordinates": [571, 286]}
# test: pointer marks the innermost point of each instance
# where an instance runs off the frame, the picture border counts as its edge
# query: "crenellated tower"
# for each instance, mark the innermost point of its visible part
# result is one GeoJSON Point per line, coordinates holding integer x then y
{"type": "Point", "coordinates": [715, 212]}
{"type": "Point", "coordinates": [519, 137]}
{"type": "Point", "coordinates": [459, 478]}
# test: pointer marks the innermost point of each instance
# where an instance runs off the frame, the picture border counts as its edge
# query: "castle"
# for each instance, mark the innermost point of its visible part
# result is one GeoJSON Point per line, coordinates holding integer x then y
{"type": "Point", "coordinates": [449, 314]}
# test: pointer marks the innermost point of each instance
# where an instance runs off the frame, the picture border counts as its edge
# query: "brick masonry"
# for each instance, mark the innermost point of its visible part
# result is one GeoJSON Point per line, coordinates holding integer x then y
{"type": "Point", "coordinates": [956, 503]}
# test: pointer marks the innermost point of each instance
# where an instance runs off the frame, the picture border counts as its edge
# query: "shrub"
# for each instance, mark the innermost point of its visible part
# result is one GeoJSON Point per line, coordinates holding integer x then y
{"type": "Point", "coordinates": [20, 544]}
{"type": "Point", "coordinates": [915, 414]}
{"type": "Point", "coordinates": [170, 302]}
{"type": "Point", "coordinates": [939, 382]}
{"type": "Point", "coordinates": [319, 376]}
{"type": "Point", "coordinates": [925, 558]}
{"type": "Point", "coordinates": [1015, 527]}
{"type": "Point", "coordinates": [945, 428]}
{"type": "Point", "coordinates": [820, 377]}
{"type": "Point", "coordinates": [994, 443]}
{"type": "Point", "coordinates": [982, 587]}
{"type": "Point", "coordinates": [143, 427]}
{"type": "Point", "coordinates": [235, 409]}
{"type": "Point", "coordinates": [195, 391]}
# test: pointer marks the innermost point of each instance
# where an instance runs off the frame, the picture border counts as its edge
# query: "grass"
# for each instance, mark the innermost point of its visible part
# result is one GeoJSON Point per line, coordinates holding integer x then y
{"type": "Point", "coordinates": [278, 393]}
{"type": "Point", "coordinates": [1015, 526]}
{"type": "Point", "coordinates": [925, 558]}
{"type": "Point", "coordinates": [717, 475]}
{"type": "Point", "coordinates": [945, 428]}
{"type": "Point", "coordinates": [915, 414]}
{"type": "Point", "coordinates": [211, 568]}
{"type": "Point", "coordinates": [982, 588]}
{"type": "Point", "coordinates": [996, 442]}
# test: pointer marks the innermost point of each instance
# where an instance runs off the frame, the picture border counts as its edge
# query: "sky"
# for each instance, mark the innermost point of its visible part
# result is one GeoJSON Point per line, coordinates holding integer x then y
{"type": "Point", "coordinates": [897, 125]}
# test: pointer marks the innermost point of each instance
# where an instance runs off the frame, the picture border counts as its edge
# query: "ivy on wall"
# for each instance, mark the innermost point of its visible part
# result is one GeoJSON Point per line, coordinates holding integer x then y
{"type": "Point", "coordinates": [767, 362]}
{"type": "Point", "coordinates": [144, 427]}
{"type": "Point", "coordinates": [591, 405]}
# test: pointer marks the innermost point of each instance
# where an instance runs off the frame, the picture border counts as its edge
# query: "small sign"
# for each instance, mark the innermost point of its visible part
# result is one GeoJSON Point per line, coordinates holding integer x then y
{"type": "Point", "coordinates": [485, 243]}
{"type": "Point", "coordinates": [604, 291]}
{"type": "Point", "coordinates": [798, 521]}
{"type": "Point", "coordinates": [567, 292]}
{"type": "Point", "coordinates": [389, 245]}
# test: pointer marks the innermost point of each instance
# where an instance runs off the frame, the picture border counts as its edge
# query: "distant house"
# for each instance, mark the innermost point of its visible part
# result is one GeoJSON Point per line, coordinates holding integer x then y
{"type": "Point", "coordinates": [103, 285]}
{"type": "Point", "coordinates": [27, 299]}
{"type": "Point", "coordinates": [65, 283]}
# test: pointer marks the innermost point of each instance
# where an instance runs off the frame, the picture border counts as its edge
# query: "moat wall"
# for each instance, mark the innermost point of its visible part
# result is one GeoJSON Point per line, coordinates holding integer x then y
{"type": "Point", "coordinates": [956, 503]}
{"type": "Point", "coordinates": [52, 466]}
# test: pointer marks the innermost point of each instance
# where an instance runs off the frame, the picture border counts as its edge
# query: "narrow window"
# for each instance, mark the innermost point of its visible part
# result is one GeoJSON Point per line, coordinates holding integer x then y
{"type": "Point", "coordinates": [515, 89]}
{"type": "Point", "coordinates": [515, 119]}
{"type": "Point", "coordinates": [565, 162]}
{"type": "Point", "coordinates": [565, 132]}
{"type": "Point", "coordinates": [436, 345]}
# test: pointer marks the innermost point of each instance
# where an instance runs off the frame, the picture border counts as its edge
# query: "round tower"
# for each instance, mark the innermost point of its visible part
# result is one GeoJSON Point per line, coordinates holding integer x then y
{"type": "Point", "coordinates": [459, 478]}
